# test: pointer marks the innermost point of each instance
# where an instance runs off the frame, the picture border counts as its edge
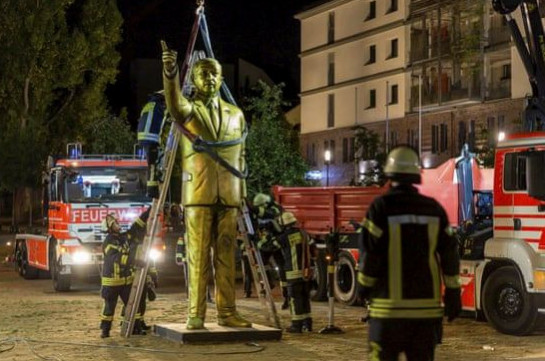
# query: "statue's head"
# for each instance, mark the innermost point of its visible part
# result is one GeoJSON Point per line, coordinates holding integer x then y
{"type": "Point", "coordinates": [207, 76]}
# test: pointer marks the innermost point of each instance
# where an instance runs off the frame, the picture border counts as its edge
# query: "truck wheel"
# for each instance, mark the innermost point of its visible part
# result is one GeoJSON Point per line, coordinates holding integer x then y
{"type": "Point", "coordinates": [25, 270]}
{"type": "Point", "coordinates": [61, 283]}
{"type": "Point", "coordinates": [507, 305]}
{"type": "Point", "coordinates": [319, 282]}
{"type": "Point", "coordinates": [345, 280]}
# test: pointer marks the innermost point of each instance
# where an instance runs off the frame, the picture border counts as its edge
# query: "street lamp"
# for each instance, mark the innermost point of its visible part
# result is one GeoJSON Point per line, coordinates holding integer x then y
{"type": "Point", "coordinates": [327, 158]}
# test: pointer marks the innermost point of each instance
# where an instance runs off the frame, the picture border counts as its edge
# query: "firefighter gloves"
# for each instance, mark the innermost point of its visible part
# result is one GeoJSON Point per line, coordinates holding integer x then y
{"type": "Point", "coordinates": [453, 303]}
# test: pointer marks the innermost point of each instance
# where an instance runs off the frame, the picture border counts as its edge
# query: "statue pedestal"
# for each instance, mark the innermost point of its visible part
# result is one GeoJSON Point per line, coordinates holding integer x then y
{"type": "Point", "coordinates": [213, 333]}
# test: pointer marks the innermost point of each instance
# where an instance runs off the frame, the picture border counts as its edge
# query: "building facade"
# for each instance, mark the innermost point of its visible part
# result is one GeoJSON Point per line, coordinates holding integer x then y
{"type": "Point", "coordinates": [430, 74]}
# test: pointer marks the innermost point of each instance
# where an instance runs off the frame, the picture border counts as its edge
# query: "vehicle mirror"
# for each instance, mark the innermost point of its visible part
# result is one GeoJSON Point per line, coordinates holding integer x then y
{"type": "Point", "coordinates": [535, 170]}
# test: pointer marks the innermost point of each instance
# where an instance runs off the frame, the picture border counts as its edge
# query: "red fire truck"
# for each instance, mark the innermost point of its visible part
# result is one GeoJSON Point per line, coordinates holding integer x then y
{"type": "Point", "coordinates": [502, 244]}
{"type": "Point", "coordinates": [79, 191]}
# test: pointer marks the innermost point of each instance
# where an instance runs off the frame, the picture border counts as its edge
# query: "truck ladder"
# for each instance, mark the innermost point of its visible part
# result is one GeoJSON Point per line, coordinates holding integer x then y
{"type": "Point", "coordinates": [261, 282]}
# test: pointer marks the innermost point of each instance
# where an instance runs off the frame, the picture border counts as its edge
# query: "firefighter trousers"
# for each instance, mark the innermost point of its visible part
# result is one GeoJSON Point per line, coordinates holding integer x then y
{"type": "Point", "coordinates": [299, 294]}
{"type": "Point", "coordinates": [111, 294]}
{"type": "Point", "coordinates": [416, 338]}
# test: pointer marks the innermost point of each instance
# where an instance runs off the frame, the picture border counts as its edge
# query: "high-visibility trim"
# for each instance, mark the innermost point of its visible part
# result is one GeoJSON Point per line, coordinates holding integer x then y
{"type": "Point", "coordinates": [405, 313]}
{"type": "Point", "coordinates": [366, 281]}
{"type": "Point", "coordinates": [372, 228]}
{"type": "Point", "coordinates": [124, 259]}
{"type": "Point", "coordinates": [111, 247]}
{"type": "Point", "coordinates": [106, 318]}
{"type": "Point", "coordinates": [290, 275]}
{"type": "Point", "coordinates": [283, 284]}
{"type": "Point", "coordinates": [140, 222]}
{"type": "Point", "coordinates": [180, 241]}
{"type": "Point", "coordinates": [261, 242]}
{"type": "Point", "coordinates": [375, 351]}
{"type": "Point", "coordinates": [452, 281]}
{"type": "Point", "coordinates": [420, 303]}
{"type": "Point", "coordinates": [114, 281]}
{"type": "Point", "coordinates": [433, 236]}
{"type": "Point", "coordinates": [331, 269]}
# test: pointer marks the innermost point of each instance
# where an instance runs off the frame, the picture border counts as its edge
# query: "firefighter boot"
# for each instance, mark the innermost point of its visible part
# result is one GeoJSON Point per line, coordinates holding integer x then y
{"type": "Point", "coordinates": [286, 303]}
{"type": "Point", "coordinates": [296, 327]}
{"type": "Point", "coordinates": [105, 326]}
{"type": "Point", "coordinates": [138, 330]}
{"type": "Point", "coordinates": [144, 326]}
{"type": "Point", "coordinates": [307, 324]}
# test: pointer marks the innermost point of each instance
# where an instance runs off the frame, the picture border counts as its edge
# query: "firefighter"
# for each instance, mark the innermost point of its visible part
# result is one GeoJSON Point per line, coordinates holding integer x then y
{"type": "Point", "coordinates": [117, 270]}
{"type": "Point", "coordinates": [295, 247]}
{"type": "Point", "coordinates": [246, 270]}
{"type": "Point", "coordinates": [407, 247]}
{"type": "Point", "coordinates": [267, 213]}
{"type": "Point", "coordinates": [150, 132]}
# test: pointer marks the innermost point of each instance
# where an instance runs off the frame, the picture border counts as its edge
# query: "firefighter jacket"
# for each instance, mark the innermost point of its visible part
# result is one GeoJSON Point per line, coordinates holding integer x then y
{"type": "Point", "coordinates": [151, 120]}
{"type": "Point", "coordinates": [267, 217]}
{"type": "Point", "coordinates": [407, 247]}
{"type": "Point", "coordinates": [294, 245]}
{"type": "Point", "coordinates": [117, 269]}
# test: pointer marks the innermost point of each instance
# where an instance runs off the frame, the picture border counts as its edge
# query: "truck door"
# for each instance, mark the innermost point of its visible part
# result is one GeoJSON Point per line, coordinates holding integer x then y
{"type": "Point", "coordinates": [509, 179]}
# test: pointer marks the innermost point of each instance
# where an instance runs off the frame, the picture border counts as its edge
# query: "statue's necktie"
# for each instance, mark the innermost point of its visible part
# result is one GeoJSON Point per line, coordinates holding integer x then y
{"type": "Point", "coordinates": [214, 117]}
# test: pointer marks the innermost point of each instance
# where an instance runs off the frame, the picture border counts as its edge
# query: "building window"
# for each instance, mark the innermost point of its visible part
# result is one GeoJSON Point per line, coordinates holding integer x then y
{"type": "Point", "coordinates": [394, 96]}
{"type": "Point", "coordinates": [352, 149]}
{"type": "Point", "coordinates": [313, 155]}
{"type": "Point", "coordinates": [501, 123]}
{"type": "Point", "coordinates": [331, 110]}
{"type": "Point", "coordinates": [461, 134]}
{"type": "Point", "coordinates": [345, 150]}
{"type": "Point", "coordinates": [412, 138]}
{"type": "Point", "coordinates": [332, 150]}
{"type": "Point", "coordinates": [505, 72]}
{"type": "Point", "coordinates": [372, 99]}
{"type": "Point", "coordinates": [331, 28]}
{"type": "Point", "coordinates": [331, 69]}
{"type": "Point", "coordinates": [443, 146]}
{"type": "Point", "coordinates": [372, 55]}
{"type": "Point", "coordinates": [393, 49]}
{"type": "Point", "coordinates": [393, 139]}
{"type": "Point", "coordinates": [372, 13]}
{"type": "Point", "coordinates": [491, 131]}
{"type": "Point", "coordinates": [434, 139]}
{"type": "Point", "coordinates": [393, 7]}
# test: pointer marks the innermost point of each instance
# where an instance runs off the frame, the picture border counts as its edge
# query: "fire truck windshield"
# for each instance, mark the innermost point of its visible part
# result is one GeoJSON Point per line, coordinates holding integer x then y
{"type": "Point", "coordinates": [111, 184]}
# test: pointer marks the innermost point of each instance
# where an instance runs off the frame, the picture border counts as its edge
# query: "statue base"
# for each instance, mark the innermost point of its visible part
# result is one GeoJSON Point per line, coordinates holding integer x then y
{"type": "Point", "coordinates": [214, 333]}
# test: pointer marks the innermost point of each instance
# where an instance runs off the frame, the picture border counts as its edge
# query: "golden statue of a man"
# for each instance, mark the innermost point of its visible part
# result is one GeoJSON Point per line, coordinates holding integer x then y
{"type": "Point", "coordinates": [211, 193]}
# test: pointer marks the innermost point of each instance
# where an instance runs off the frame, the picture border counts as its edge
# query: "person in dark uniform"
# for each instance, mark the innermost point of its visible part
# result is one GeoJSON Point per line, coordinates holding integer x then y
{"type": "Point", "coordinates": [407, 248]}
{"type": "Point", "coordinates": [117, 270]}
{"type": "Point", "coordinates": [295, 247]}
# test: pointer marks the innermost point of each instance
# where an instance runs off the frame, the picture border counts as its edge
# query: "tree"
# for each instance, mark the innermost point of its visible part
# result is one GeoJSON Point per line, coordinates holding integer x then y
{"type": "Point", "coordinates": [273, 155]}
{"type": "Point", "coordinates": [367, 144]}
{"type": "Point", "coordinates": [110, 135]}
{"type": "Point", "coordinates": [57, 57]}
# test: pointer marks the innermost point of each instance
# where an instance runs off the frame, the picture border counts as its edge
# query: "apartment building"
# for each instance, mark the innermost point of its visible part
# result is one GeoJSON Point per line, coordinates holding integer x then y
{"type": "Point", "coordinates": [430, 74]}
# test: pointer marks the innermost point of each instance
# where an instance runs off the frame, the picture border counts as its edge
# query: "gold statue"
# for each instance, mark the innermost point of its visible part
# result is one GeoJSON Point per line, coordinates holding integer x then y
{"type": "Point", "coordinates": [211, 193]}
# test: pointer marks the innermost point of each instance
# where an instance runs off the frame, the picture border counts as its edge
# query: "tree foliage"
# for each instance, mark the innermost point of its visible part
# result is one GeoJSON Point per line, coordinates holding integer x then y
{"type": "Point", "coordinates": [110, 135]}
{"type": "Point", "coordinates": [367, 144]}
{"type": "Point", "coordinates": [57, 57]}
{"type": "Point", "coordinates": [273, 155]}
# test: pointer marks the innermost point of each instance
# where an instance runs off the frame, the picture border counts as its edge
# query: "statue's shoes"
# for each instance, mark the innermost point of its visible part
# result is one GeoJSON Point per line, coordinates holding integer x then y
{"type": "Point", "coordinates": [234, 320]}
{"type": "Point", "coordinates": [194, 323]}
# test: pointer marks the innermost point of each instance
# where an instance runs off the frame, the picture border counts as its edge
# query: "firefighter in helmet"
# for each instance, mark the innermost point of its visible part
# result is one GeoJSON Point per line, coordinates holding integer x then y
{"type": "Point", "coordinates": [295, 247]}
{"type": "Point", "coordinates": [117, 269]}
{"type": "Point", "coordinates": [407, 248]}
{"type": "Point", "coordinates": [268, 213]}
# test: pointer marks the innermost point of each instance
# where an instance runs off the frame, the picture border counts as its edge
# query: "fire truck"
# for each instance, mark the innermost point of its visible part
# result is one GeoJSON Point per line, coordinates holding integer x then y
{"type": "Point", "coordinates": [79, 191]}
{"type": "Point", "coordinates": [501, 234]}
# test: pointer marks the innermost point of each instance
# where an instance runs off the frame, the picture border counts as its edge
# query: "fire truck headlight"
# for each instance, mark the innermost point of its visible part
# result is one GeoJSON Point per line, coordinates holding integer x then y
{"type": "Point", "coordinates": [539, 279]}
{"type": "Point", "coordinates": [154, 254]}
{"type": "Point", "coordinates": [81, 257]}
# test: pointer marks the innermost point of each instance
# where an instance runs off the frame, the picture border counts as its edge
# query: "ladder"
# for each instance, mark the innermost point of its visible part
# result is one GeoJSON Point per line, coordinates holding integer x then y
{"type": "Point", "coordinates": [257, 266]}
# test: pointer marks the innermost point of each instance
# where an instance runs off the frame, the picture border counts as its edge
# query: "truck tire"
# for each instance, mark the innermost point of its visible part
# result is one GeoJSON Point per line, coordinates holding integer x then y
{"type": "Point", "coordinates": [61, 282]}
{"type": "Point", "coordinates": [507, 305]}
{"type": "Point", "coordinates": [345, 279]}
{"type": "Point", "coordinates": [25, 270]}
{"type": "Point", "coordinates": [319, 282]}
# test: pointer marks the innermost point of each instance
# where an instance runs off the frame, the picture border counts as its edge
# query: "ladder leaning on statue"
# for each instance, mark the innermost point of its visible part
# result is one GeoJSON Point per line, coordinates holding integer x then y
{"type": "Point", "coordinates": [176, 130]}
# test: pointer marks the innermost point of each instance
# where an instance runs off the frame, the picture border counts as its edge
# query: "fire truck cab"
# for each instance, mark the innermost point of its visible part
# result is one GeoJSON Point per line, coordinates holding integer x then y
{"type": "Point", "coordinates": [79, 191]}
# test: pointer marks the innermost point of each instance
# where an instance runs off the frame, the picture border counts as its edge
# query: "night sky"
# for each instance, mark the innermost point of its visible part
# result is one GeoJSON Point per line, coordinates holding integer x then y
{"type": "Point", "coordinates": [264, 33]}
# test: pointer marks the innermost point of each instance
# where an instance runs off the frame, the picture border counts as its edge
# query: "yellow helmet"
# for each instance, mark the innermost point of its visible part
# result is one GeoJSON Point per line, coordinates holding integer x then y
{"type": "Point", "coordinates": [403, 165]}
{"type": "Point", "coordinates": [108, 222]}
{"type": "Point", "coordinates": [288, 218]}
{"type": "Point", "coordinates": [261, 199]}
